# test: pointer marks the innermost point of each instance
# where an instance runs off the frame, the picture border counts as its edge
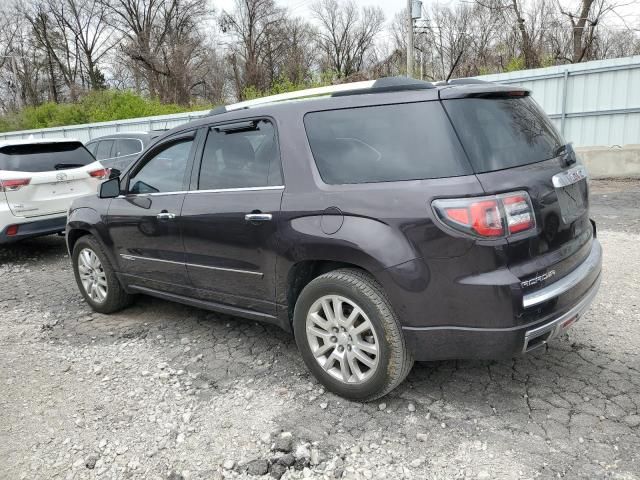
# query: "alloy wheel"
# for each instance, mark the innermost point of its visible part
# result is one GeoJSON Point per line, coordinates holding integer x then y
{"type": "Point", "coordinates": [92, 275]}
{"type": "Point", "coordinates": [342, 339]}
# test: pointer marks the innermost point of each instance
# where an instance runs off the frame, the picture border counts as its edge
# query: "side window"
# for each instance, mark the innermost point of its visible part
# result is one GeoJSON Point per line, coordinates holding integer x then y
{"type": "Point", "coordinates": [104, 149]}
{"type": "Point", "coordinates": [128, 146]}
{"type": "Point", "coordinates": [241, 159]}
{"type": "Point", "coordinates": [163, 172]}
{"type": "Point", "coordinates": [92, 147]}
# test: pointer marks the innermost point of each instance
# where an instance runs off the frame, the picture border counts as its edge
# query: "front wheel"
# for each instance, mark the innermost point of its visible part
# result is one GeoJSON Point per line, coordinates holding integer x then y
{"type": "Point", "coordinates": [349, 336]}
{"type": "Point", "coordinates": [96, 278]}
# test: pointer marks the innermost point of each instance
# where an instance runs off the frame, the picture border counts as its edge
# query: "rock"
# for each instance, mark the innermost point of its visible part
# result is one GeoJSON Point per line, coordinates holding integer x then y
{"type": "Point", "coordinates": [175, 476]}
{"type": "Point", "coordinates": [306, 473]}
{"type": "Point", "coordinates": [287, 460]}
{"type": "Point", "coordinates": [368, 474]}
{"type": "Point", "coordinates": [382, 406]}
{"type": "Point", "coordinates": [266, 438]}
{"type": "Point", "coordinates": [411, 407]}
{"type": "Point", "coordinates": [257, 467]}
{"type": "Point", "coordinates": [422, 437]}
{"type": "Point", "coordinates": [186, 418]}
{"type": "Point", "coordinates": [417, 462]}
{"type": "Point", "coordinates": [228, 464]}
{"type": "Point", "coordinates": [324, 405]}
{"type": "Point", "coordinates": [97, 370]}
{"type": "Point", "coordinates": [121, 450]}
{"type": "Point", "coordinates": [90, 461]}
{"type": "Point", "coordinates": [315, 456]}
{"type": "Point", "coordinates": [184, 341]}
{"type": "Point", "coordinates": [180, 438]}
{"type": "Point", "coordinates": [284, 443]}
{"type": "Point", "coordinates": [278, 470]}
{"type": "Point", "coordinates": [302, 452]}
{"type": "Point", "coordinates": [483, 475]}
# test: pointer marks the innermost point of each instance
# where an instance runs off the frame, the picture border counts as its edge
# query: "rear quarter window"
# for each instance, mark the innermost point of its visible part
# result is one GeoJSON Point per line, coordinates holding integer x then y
{"type": "Point", "coordinates": [385, 143]}
{"type": "Point", "coordinates": [499, 133]}
{"type": "Point", "coordinates": [44, 157]}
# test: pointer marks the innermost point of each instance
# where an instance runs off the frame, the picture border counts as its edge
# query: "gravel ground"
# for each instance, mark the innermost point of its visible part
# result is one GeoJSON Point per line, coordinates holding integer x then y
{"type": "Point", "coordinates": [170, 392]}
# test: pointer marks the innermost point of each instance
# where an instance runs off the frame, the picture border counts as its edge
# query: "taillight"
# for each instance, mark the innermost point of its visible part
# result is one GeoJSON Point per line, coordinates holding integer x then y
{"type": "Point", "coordinates": [13, 184]}
{"type": "Point", "coordinates": [101, 174]}
{"type": "Point", "coordinates": [495, 216]}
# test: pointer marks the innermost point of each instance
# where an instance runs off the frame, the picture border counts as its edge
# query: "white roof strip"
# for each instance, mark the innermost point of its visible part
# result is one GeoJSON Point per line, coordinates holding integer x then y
{"type": "Point", "coordinates": [300, 94]}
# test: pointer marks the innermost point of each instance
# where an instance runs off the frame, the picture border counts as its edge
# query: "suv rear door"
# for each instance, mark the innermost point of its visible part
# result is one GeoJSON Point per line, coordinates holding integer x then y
{"type": "Point", "coordinates": [52, 174]}
{"type": "Point", "coordinates": [230, 216]}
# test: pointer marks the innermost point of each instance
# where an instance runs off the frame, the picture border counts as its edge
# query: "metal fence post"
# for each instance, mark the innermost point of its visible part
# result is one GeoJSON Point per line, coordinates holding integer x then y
{"type": "Point", "coordinates": [563, 114]}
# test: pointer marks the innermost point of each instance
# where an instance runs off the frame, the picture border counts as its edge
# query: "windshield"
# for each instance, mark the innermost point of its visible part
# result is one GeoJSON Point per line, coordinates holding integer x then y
{"type": "Point", "coordinates": [499, 133]}
{"type": "Point", "coordinates": [44, 157]}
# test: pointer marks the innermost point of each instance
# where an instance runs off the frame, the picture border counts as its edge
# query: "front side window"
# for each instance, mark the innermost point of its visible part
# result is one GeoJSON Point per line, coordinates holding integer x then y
{"type": "Point", "coordinates": [241, 158]}
{"type": "Point", "coordinates": [385, 143]}
{"type": "Point", "coordinates": [164, 172]}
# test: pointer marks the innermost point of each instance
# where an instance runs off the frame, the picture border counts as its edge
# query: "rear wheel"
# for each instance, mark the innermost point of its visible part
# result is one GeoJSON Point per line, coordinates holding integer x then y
{"type": "Point", "coordinates": [349, 335]}
{"type": "Point", "coordinates": [96, 278]}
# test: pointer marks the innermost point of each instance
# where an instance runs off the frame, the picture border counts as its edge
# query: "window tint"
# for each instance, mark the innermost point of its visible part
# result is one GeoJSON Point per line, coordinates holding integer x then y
{"type": "Point", "coordinates": [164, 172]}
{"type": "Point", "coordinates": [104, 149]}
{"type": "Point", "coordinates": [44, 157]}
{"type": "Point", "coordinates": [128, 146]}
{"type": "Point", "coordinates": [385, 143]}
{"type": "Point", "coordinates": [500, 133]}
{"type": "Point", "coordinates": [241, 159]}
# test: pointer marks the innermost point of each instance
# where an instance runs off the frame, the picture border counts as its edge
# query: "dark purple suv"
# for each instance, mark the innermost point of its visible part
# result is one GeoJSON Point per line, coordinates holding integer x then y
{"type": "Point", "coordinates": [381, 225]}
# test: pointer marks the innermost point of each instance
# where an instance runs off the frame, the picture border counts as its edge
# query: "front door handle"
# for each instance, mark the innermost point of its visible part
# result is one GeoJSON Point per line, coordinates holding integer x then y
{"type": "Point", "coordinates": [258, 217]}
{"type": "Point", "coordinates": [166, 216]}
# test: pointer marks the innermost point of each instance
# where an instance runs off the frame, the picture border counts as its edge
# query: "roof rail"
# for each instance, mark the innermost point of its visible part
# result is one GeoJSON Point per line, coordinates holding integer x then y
{"type": "Point", "coordinates": [387, 84]}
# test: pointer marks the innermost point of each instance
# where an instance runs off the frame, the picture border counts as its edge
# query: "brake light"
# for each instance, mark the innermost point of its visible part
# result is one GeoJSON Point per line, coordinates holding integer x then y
{"type": "Point", "coordinates": [101, 174]}
{"type": "Point", "coordinates": [13, 184]}
{"type": "Point", "coordinates": [495, 216]}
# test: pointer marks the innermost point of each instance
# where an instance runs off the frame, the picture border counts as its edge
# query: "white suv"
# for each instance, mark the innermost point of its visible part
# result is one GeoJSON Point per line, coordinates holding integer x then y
{"type": "Point", "coordinates": [38, 181]}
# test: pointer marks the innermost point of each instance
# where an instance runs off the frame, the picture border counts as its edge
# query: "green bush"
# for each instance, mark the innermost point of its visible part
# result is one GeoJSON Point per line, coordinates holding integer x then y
{"type": "Point", "coordinates": [98, 106]}
{"type": "Point", "coordinates": [282, 86]}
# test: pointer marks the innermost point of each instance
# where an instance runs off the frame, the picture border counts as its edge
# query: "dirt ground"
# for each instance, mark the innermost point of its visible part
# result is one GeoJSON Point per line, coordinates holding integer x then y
{"type": "Point", "coordinates": [166, 391]}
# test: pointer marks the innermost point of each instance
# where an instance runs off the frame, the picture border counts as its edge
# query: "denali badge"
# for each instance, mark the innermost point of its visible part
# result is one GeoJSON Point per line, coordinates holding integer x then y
{"type": "Point", "coordinates": [540, 278]}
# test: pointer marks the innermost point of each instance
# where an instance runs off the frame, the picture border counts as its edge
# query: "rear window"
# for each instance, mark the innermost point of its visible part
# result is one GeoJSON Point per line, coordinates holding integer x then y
{"type": "Point", "coordinates": [385, 143]}
{"type": "Point", "coordinates": [44, 157]}
{"type": "Point", "coordinates": [499, 133]}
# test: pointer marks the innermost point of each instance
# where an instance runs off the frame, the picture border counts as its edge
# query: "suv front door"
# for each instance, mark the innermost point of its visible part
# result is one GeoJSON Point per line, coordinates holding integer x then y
{"type": "Point", "coordinates": [144, 222]}
{"type": "Point", "coordinates": [230, 217]}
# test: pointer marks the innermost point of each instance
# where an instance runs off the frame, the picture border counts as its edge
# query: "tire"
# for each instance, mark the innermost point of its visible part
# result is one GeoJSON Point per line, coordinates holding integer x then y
{"type": "Point", "coordinates": [353, 298]}
{"type": "Point", "coordinates": [107, 296]}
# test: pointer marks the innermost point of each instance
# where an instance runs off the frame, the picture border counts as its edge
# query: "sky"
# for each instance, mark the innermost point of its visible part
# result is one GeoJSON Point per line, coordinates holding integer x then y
{"type": "Point", "coordinates": [301, 7]}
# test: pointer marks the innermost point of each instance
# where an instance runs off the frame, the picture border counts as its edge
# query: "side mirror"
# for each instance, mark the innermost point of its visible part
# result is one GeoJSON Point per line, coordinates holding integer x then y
{"type": "Point", "coordinates": [110, 188]}
{"type": "Point", "coordinates": [114, 173]}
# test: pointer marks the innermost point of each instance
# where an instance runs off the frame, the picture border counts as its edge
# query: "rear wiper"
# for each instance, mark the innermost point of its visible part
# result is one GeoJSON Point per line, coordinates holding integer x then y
{"type": "Point", "coordinates": [63, 166]}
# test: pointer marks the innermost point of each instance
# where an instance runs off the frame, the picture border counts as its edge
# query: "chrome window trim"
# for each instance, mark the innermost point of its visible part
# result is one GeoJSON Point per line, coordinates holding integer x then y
{"type": "Point", "coordinates": [155, 194]}
{"type": "Point", "coordinates": [240, 189]}
{"type": "Point", "coordinates": [567, 282]}
{"type": "Point", "coordinates": [173, 262]}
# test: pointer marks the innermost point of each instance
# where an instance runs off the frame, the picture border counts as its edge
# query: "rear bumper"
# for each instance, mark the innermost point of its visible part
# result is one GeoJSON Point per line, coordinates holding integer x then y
{"type": "Point", "coordinates": [452, 342]}
{"type": "Point", "coordinates": [34, 229]}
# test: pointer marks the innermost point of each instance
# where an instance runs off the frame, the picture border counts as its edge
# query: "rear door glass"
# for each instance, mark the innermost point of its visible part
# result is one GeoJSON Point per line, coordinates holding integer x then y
{"type": "Point", "coordinates": [128, 146]}
{"type": "Point", "coordinates": [104, 149]}
{"type": "Point", "coordinates": [499, 133]}
{"type": "Point", "coordinates": [385, 143]}
{"type": "Point", "coordinates": [44, 157]}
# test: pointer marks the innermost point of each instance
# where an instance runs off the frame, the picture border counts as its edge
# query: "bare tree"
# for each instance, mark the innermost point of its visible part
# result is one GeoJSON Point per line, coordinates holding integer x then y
{"type": "Point", "coordinates": [346, 34]}
{"type": "Point", "coordinates": [256, 27]}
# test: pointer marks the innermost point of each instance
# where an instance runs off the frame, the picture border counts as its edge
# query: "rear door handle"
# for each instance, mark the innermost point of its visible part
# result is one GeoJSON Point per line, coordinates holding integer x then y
{"type": "Point", "coordinates": [166, 216]}
{"type": "Point", "coordinates": [258, 217]}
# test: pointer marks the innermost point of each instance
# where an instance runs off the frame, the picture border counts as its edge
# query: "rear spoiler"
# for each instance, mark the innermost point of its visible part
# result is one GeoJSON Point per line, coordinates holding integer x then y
{"type": "Point", "coordinates": [481, 90]}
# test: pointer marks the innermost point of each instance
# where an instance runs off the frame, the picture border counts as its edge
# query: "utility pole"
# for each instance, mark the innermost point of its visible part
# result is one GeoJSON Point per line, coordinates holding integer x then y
{"type": "Point", "coordinates": [410, 38]}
